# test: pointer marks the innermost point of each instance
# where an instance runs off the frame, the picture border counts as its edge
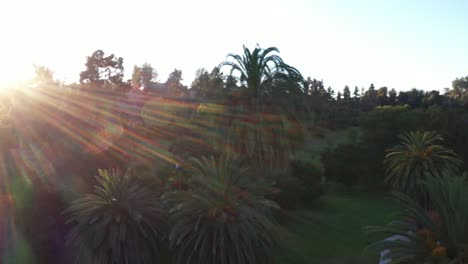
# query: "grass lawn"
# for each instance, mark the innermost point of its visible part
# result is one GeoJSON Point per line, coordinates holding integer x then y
{"type": "Point", "coordinates": [330, 230]}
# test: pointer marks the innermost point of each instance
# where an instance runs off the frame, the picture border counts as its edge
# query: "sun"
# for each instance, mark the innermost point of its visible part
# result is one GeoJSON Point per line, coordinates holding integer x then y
{"type": "Point", "coordinates": [14, 72]}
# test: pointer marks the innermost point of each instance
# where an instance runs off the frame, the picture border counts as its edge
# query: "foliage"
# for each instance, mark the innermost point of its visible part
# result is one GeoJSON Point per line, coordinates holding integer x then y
{"type": "Point", "coordinates": [101, 69]}
{"type": "Point", "coordinates": [191, 146]}
{"type": "Point", "coordinates": [267, 139]}
{"type": "Point", "coordinates": [310, 175]}
{"type": "Point", "coordinates": [349, 164]}
{"type": "Point", "coordinates": [121, 222]}
{"type": "Point", "coordinates": [210, 85]}
{"type": "Point", "coordinates": [303, 181]}
{"type": "Point", "coordinates": [143, 76]}
{"type": "Point", "coordinates": [436, 236]}
{"type": "Point", "coordinates": [173, 84]}
{"type": "Point", "coordinates": [259, 66]}
{"type": "Point", "coordinates": [43, 75]}
{"type": "Point", "coordinates": [380, 127]}
{"type": "Point", "coordinates": [417, 157]}
{"type": "Point", "coordinates": [223, 217]}
{"type": "Point", "coordinates": [264, 116]}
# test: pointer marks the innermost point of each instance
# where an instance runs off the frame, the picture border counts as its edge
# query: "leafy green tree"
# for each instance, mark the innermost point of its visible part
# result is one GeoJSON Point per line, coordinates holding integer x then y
{"type": "Point", "coordinates": [102, 69]}
{"type": "Point", "coordinates": [317, 88]}
{"type": "Point", "coordinates": [43, 75]}
{"type": "Point", "coordinates": [382, 96]}
{"type": "Point", "coordinates": [459, 91]}
{"type": "Point", "coordinates": [416, 158]}
{"type": "Point", "coordinates": [347, 94]}
{"type": "Point", "coordinates": [143, 76]}
{"type": "Point", "coordinates": [369, 99]}
{"type": "Point", "coordinates": [231, 83]}
{"type": "Point", "coordinates": [392, 97]}
{"type": "Point", "coordinates": [121, 222]}
{"type": "Point", "coordinates": [174, 84]}
{"type": "Point", "coordinates": [439, 235]}
{"type": "Point", "coordinates": [330, 93]}
{"type": "Point", "coordinates": [414, 97]}
{"type": "Point", "coordinates": [432, 98]}
{"type": "Point", "coordinates": [223, 217]}
{"type": "Point", "coordinates": [356, 93]}
{"type": "Point", "coordinates": [201, 80]}
{"type": "Point", "coordinates": [460, 86]}
{"type": "Point", "coordinates": [259, 66]}
{"type": "Point", "coordinates": [209, 85]}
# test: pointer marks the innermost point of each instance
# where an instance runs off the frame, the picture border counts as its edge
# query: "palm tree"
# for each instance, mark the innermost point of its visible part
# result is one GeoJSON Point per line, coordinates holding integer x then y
{"type": "Point", "coordinates": [417, 157]}
{"type": "Point", "coordinates": [439, 235]}
{"type": "Point", "coordinates": [259, 66]}
{"type": "Point", "coordinates": [269, 132]}
{"type": "Point", "coordinates": [223, 217]}
{"type": "Point", "coordinates": [121, 222]}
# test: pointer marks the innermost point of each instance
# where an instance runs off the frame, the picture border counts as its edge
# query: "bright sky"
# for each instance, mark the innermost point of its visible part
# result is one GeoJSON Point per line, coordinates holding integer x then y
{"type": "Point", "coordinates": [399, 43]}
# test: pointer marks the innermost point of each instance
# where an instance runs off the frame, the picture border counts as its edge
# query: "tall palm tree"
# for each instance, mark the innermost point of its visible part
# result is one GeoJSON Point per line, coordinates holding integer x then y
{"type": "Point", "coordinates": [417, 157]}
{"type": "Point", "coordinates": [259, 66]}
{"type": "Point", "coordinates": [121, 222]}
{"type": "Point", "coordinates": [267, 131]}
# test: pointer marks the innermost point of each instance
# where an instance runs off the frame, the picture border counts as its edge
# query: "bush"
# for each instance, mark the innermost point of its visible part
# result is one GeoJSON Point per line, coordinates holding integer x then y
{"type": "Point", "coordinates": [310, 175]}
{"type": "Point", "coordinates": [354, 165]}
{"type": "Point", "coordinates": [301, 182]}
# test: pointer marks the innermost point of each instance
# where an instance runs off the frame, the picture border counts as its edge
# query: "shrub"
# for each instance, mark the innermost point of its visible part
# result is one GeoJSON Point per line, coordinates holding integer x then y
{"type": "Point", "coordinates": [347, 164]}
{"type": "Point", "coordinates": [310, 175]}
{"type": "Point", "coordinates": [301, 182]}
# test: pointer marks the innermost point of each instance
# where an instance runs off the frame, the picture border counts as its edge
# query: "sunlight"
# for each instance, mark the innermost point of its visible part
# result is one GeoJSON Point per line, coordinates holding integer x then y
{"type": "Point", "coordinates": [13, 72]}
{"type": "Point", "coordinates": [205, 134]}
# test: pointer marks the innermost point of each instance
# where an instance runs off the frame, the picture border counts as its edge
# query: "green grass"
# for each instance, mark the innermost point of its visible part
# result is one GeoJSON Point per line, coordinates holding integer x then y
{"type": "Point", "coordinates": [331, 229]}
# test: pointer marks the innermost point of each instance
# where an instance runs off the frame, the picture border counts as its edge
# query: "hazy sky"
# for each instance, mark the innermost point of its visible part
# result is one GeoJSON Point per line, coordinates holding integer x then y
{"type": "Point", "coordinates": [395, 43]}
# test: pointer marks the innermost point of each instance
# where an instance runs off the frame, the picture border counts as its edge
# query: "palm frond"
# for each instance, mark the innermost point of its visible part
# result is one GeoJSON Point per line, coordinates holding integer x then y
{"type": "Point", "coordinates": [417, 157]}
{"type": "Point", "coordinates": [436, 236]}
{"type": "Point", "coordinates": [121, 222]}
{"type": "Point", "coordinates": [221, 219]}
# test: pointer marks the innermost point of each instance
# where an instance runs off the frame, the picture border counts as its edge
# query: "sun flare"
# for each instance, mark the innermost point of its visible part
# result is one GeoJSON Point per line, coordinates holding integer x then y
{"type": "Point", "coordinates": [12, 71]}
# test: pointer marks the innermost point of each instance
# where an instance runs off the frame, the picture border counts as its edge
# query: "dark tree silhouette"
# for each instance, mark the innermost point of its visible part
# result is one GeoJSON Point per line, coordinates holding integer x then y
{"type": "Point", "coordinates": [258, 67]}
{"type": "Point", "coordinates": [173, 84]}
{"type": "Point", "coordinates": [101, 70]}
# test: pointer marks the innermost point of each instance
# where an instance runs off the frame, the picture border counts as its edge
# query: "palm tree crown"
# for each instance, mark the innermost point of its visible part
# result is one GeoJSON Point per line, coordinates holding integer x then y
{"type": "Point", "coordinates": [417, 157]}
{"type": "Point", "coordinates": [439, 235]}
{"type": "Point", "coordinates": [121, 222]}
{"type": "Point", "coordinates": [258, 66]}
{"type": "Point", "coordinates": [224, 218]}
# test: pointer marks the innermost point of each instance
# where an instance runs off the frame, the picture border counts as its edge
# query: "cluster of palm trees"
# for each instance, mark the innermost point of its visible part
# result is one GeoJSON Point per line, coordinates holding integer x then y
{"type": "Point", "coordinates": [433, 225]}
{"type": "Point", "coordinates": [222, 217]}
{"type": "Point", "coordinates": [221, 214]}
